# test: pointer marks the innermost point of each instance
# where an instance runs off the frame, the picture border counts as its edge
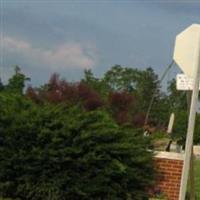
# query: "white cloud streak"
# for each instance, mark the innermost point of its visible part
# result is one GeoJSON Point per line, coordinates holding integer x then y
{"type": "Point", "coordinates": [67, 55]}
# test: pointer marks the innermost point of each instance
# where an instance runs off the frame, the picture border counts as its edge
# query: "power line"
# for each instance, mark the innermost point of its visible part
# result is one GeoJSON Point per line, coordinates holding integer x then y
{"type": "Point", "coordinates": [155, 92]}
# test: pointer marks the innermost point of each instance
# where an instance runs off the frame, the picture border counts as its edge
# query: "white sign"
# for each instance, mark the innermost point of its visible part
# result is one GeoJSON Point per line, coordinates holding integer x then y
{"type": "Point", "coordinates": [187, 56]}
{"type": "Point", "coordinates": [183, 82]}
{"type": "Point", "coordinates": [186, 49]}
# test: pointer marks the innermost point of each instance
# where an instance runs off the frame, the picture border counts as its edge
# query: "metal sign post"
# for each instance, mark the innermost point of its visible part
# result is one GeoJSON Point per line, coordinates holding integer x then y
{"type": "Point", "coordinates": [187, 56]}
{"type": "Point", "coordinates": [191, 172]}
{"type": "Point", "coordinates": [190, 131]}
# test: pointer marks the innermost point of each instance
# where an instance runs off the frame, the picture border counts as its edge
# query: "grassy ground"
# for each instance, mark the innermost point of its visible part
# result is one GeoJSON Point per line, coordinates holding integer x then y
{"type": "Point", "coordinates": [197, 177]}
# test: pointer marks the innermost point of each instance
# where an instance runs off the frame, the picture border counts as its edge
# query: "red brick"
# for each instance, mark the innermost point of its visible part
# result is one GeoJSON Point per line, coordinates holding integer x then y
{"type": "Point", "coordinates": [169, 176]}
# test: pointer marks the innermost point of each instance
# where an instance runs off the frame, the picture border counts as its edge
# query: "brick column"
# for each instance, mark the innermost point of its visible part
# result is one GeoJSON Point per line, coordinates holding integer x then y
{"type": "Point", "coordinates": [169, 169]}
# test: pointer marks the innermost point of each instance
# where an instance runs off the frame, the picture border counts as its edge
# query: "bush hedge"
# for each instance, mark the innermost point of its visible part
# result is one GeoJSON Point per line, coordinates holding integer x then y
{"type": "Point", "coordinates": [57, 152]}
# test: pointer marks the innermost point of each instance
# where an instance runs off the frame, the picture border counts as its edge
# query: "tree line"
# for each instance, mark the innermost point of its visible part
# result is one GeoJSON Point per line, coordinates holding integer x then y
{"type": "Point", "coordinates": [83, 140]}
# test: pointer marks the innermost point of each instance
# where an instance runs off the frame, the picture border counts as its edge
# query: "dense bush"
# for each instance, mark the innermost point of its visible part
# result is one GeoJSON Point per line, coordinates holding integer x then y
{"type": "Point", "coordinates": [55, 152]}
{"type": "Point", "coordinates": [60, 91]}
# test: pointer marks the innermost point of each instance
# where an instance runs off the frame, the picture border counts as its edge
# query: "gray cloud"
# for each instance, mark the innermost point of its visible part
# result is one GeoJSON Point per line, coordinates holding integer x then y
{"type": "Point", "coordinates": [67, 55]}
{"type": "Point", "coordinates": [64, 36]}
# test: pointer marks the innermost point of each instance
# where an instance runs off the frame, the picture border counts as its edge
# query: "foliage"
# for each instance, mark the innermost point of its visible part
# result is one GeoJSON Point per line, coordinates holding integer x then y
{"type": "Point", "coordinates": [121, 103]}
{"type": "Point", "coordinates": [177, 99]}
{"type": "Point", "coordinates": [58, 151]}
{"type": "Point", "coordinates": [143, 83]}
{"type": "Point", "coordinates": [79, 140]}
{"type": "Point", "coordinates": [136, 86]}
{"type": "Point", "coordinates": [180, 127]}
{"type": "Point", "coordinates": [121, 78]}
{"type": "Point", "coordinates": [197, 177]}
{"type": "Point", "coordinates": [17, 82]}
{"type": "Point", "coordinates": [197, 130]}
{"type": "Point", "coordinates": [88, 94]}
{"type": "Point", "coordinates": [1, 85]}
{"type": "Point", "coordinates": [123, 92]}
{"type": "Point", "coordinates": [159, 135]}
{"type": "Point", "coordinates": [60, 91]}
{"type": "Point", "coordinates": [97, 84]}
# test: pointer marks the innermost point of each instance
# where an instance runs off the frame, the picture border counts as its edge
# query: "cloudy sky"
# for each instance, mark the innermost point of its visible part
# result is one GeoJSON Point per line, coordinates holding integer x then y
{"type": "Point", "coordinates": [67, 36]}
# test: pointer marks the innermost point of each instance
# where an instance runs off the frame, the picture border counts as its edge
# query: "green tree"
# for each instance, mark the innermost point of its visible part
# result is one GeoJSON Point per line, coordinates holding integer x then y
{"type": "Point", "coordinates": [17, 82]}
{"type": "Point", "coordinates": [1, 85]}
{"type": "Point", "coordinates": [177, 99]}
{"type": "Point", "coordinates": [197, 130]}
{"type": "Point", "coordinates": [180, 126]}
{"type": "Point", "coordinates": [56, 152]}
{"type": "Point", "coordinates": [147, 86]}
{"type": "Point", "coordinates": [142, 83]}
{"type": "Point", "coordinates": [98, 84]}
{"type": "Point", "coordinates": [121, 78]}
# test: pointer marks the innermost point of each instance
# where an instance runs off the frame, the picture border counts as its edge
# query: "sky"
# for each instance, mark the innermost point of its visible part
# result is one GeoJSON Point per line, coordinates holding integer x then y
{"type": "Point", "coordinates": [68, 36]}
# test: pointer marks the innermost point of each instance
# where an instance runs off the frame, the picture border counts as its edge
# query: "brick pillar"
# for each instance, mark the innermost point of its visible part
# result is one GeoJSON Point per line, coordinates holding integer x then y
{"type": "Point", "coordinates": [169, 168]}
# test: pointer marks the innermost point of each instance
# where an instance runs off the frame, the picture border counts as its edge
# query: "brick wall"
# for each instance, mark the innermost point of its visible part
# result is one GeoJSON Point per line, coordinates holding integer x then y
{"type": "Point", "coordinates": [169, 168]}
